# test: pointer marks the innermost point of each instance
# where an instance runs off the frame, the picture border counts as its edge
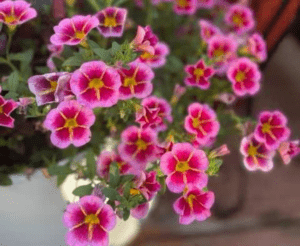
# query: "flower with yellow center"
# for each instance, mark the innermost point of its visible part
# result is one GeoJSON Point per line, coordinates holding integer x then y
{"type": "Point", "coordinates": [130, 82]}
{"type": "Point", "coordinates": [70, 123]}
{"type": "Point", "coordinates": [190, 200]}
{"type": "Point", "coordinates": [237, 19]}
{"type": "Point", "coordinates": [134, 192]}
{"type": "Point", "coordinates": [240, 76]}
{"type": "Point", "coordinates": [196, 122]}
{"type": "Point", "coordinates": [199, 72]}
{"type": "Point", "coordinates": [91, 219]}
{"type": "Point", "coordinates": [147, 56]}
{"type": "Point", "coordinates": [266, 127]}
{"type": "Point", "coordinates": [252, 151]}
{"type": "Point", "coordinates": [79, 34]}
{"type": "Point", "coordinates": [110, 21]}
{"type": "Point", "coordinates": [9, 19]}
{"type": "Point", "coordinates": [96, 84]}
{"type": "Point", "coordinates": [141, 144]}
{"type": "Point", "coordinates": [53, 85]}
{"type": "Point", "coordinates": [182, 166]}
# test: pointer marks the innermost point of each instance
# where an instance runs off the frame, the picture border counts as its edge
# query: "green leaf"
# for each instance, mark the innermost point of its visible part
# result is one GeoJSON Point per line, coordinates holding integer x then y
{"type": "Point", "coordinates": [83, 190]}
{"type": "Point", "coordinates": [102, 53]}
{"type": "Point", "coordinates": [126, 214]}
{"type": "Point", "coordinates": [115, 47]}
{"type": "Point", "coordinates": [13, 81]}
{"type": "Point", "coordinates": [22, 56]}
{"type": "Point", "coordinates": [114, 175]}
{"type": "Point", "coordinates": [126, 178]}
{"type": "Point", "coordinates": [111, 194]}
{"type": "Point", "coordinates": [119, 2]}
{"type": "Point", "coordinates": [5, 180]}
{"type": "Point", "coordinates": [162, 182]}
{"type": "Point", "coordinates": [12, 95]}
{"type": "Point", "coordinates": [73, 61]}
{"type": "Point", "coordinates": [127, 188]}
{"type": "Point", "coordinates": [60, 179]}
{"type": "Point", "coordinates": [214, 166]}
{"type": "Point", "coordinates": [91, 164]}
{"type": "Point", "coordinates": [2, 60]}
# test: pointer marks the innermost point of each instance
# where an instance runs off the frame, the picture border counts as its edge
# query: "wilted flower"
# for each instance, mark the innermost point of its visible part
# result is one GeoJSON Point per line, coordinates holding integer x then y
{"type": "Point", "coordinates": [70, 123]}
{"type": "Point", "coordinates": [138, 146]}
{"type": "Point", "coordinates": [145, 40]}
{"type": "Point", "coordinates": [24, 102]}
{"type": "Point", "coordinates": [256, 154]}
{"type": "Point", "coordinates": [89, 221]}
{"type": "Point", "coordinates": [158, 59]}
{"type": "Point", "coordinates": [184, 166]}
{"type": "Point", "coordinates": [136, 81]}
{"type": "Point", "coordinates": [6, 107]}
{"type": "Point", "coordinates": [227, 98]}
{"type": "Point", "coordinates": [50, 87]}
{"type": "Point", "coordinates": [245, 77]}
{"type": "Point", "coordinates": [289, 150]}
{"type": "Point", "coordinates": [198, 75]}
{"type": "Point", "coordinates": [111, 21]}
{"type": "Point", "coordinates": [208, 30]}
{"type": "Point", "coordinates": [177, 93]}
{"type": "Point", "coordinates": [185, 7]}
{"type": "Point", "coordinates": [73, 31]}
{"type": "Point", "coordinates": [257, 47]}
{"type": "Point", "coordinates": [271, 129]}
{"type": "Point", "coordinates": [240, 18]}
{"type": "Point", "coordinates": [202, 121]}
{"type": "Point", "coordinates": [194, 205]}
{"type": "Point", "coordinates": [96, 85]}
{"type": "Point", "coordinates": [14, 13]}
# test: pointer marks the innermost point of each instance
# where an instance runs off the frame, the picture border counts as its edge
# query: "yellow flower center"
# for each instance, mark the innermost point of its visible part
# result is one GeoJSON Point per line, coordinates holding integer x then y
{"type": "Point", "coordinates": [134, 192]}
{"type": "Point", "coordinates": [96, 84]}
{"type": "Point", "coordinates": [146, 56]}
{"type": "Point", "coordinates": [199, 72]}
{"type": "Point", "coordinates": [182, 3]}
{"type": "Point", "coordinates": [129, 82]}
{"type": "Point", "coordinates": [182, 166]}
{"type": "Point", "coordinates": [79, 34]}
{"type": "Point", "coordinates": [91, 219]}
{"type": "Point", "coordinates": [252, 151]}
{"type": "Point", "coordinates": [196, 122]}
{"type": "Point", "coordinates": [190, 199]}
{"type": "Point", "coordinates": [53, 85]}
{"type": "Point", "coordinates": [266, 127]}
{"type": "Point", "coordinates": [218, 53]}
{"type": "Point", "coordinates": [110, 21]}
{"type": "Point", "coordinates": [237, 19]}
{"type": "Point", "coordinates": [142, 145]}
{"type": "Point", "coordinates": [240, 76]}
{"type": "Point", "coordinates": [9, 19]}
{"type": "Point", "coordinates": [70, 123]}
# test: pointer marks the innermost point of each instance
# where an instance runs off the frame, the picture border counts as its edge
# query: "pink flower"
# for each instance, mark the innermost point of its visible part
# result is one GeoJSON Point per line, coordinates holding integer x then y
{"type": "Point", "coordinates": [222, 50]}
{"type": "Point", "coordinates": [55, 50]}
{"type": "Point", "coordinates": [226, 98]}
{"type": "Point", "coordinates": [158, 59]}
{"type": "Point", "coordinates": [163, 109]}
{"type": "Point", "coordinates": [184, 166]}
{"type": "Point", "coordinates": [149, 185]}
{"type": "Point", "coordinates": [145, 40]}
{"type": "Point", "coordinates": [50, 87]}
{"type": "Point", "coordinates": [70, 123]}
{"type": "Point", "coordinates": [256, 154]}
{"type": "Point", "coordinates": [105, 159]}
{"type": "Point", "coordinates": [289, 150]}
{"type": "Point", "coordinates": [111, 21]}
{"type": "Point", "coordinates": [14, 13]}
{"type": "Point", "coordinates": [194, 205]}
{"type": "Point", "coordinates": [148, 117]}
{"type": "Point", "coordinates": [185, 7]}
{"type": "Point", "coordinates": [89, 221]}
{"type": "Point", "coordinates": [198, 143]}
{"type": "Point", "coordinates": [138, 146]}
{"type": "Point", "coordinates": [205, 4]}
{"type": "Point", "coordinates": [244, 76]}
{"type": "Point", "coordinates": [240, 18]}
{"type": "Point", "coordinates": [96, 85]}
{"type": "Point", "coordinates": [23, 103]}
{"type": "Point", "coordinates": [136, 81]}
{"type": "Point", "coordinates": [198, 75]}
{"type": "Point", "coordinates": [177, 93]}
{"type": "Point", "coordinates": [208, 30]}
{"type": "Point", "coordinates": [73, 31]}
{"type": "Point", "coordinates": [271, 129]}
{"type": "Point", "coordinates": [6, 107]}
{"type": "Point", "coordinates": [165, 147]}
{"type": "Point", "coordinates": [202, 121]}
{"type": "Point", "coordinates": [257, 47]}
{"type": "Point", "coordinates": [140, 211]}
{"type": "Point", "coordinates": [221, 151]}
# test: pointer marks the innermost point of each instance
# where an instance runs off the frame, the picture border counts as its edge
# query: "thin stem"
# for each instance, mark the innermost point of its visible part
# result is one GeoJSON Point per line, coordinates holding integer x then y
{"type": "Point", "coordinates": [10, 35]}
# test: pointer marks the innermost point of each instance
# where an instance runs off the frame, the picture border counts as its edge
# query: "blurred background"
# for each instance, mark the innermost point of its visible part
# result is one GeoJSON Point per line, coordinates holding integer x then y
{"type": "Point", "coordinates": [251, 208]}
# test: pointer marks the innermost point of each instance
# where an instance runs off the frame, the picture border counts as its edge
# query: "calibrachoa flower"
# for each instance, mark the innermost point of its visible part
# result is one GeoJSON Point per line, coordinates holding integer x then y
{"type": "Point", "coordinates": [14, 13]}
{"type": "Point", "coordinates": [96, 85]}
{"type": "Point", "coordinates": [161, 50]}
{"type": "Point", "coordinates": [6, 107]}
{"type": "Point", "coordinates": [184, 166]}
{"type": "Point", "coordinates": [70, 123]}
{"type": "Point", "coordinates": [257, 47]}
{"type": "Point", "coordinates": [206, 4]}
{"type": "Point", "coordinates": [105, 159]}
{"type": "Point", "coordinates": [177, 93]}
{"type": "Point", "coordinates": [136, 81]}
{"type": "Point", "coordinates": [202, 121]}
{"type": "Point", "coordinates": [256, 154]}
{"type": "Point", "coordinates": [198, 75]}
{"type": "Point", "coordinates": [244, 76]}
{"type": "Point", "coordinates": [23, 103]}
{"type": "Point", "coordinates": [138, 146]}
{"type": "Point", "coordinates": [271, 129]}
{"type": "Point", "coordinates": [73, 31]}
{"type": "Point", "coordinates": [145, 40]}
{"type": "Point", "coordinates": [140, 211]}
{"type": "Point", "coordinates": [240, 18]}
{"type": "Point", "coordinates": [89, 221]}
{"type": "Point", "coordinates": [163, 109]}
{"type": "Point", "coordinates": [50, 87]}
{"type": "Point", "coordinates": [227, 98]}
{"type": "Point", "coordinates": [149, 185]}
{"type": "Point", "coordinates": [222, 50]}
{"type": "Point", "coordinates": [208, 30]}
{"type": "Point", "coordinates": [194, 205]}
{"type": "Point", "coordinates": [111, 21]}
{"type": "Point", "coordinates": [147, 117]}
{"type": "Point", "coordinates": [185, 7]}
{"type": "Point", "coordinates": [289, 150]}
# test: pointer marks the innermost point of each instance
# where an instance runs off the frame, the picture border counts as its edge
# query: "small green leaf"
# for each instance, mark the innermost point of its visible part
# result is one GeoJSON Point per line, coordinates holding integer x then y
{"type": "Point", "coordinates": [60, 179]}
{"type": "Point", "coordinates": [111, 194]}
{"type": "Point", "coordinates": [119, 2]}
{"type": "Point", "coordinates": [126, 214]}
{"type": "Point", "coordinates": [5, 180]}
{"type": "Point", "coordinates": [214, 167]}
{"type": "Point", "coordinates": [126, 178]}
{"type": "Point", "coordinates": [162, 182]}
{"type": "Point", "coordinates": [127, 188]}
{"type": "Point", "coordinates": [83, 190]}
{"type": "Point", "coordinates": [102, 53]}
{"type": "Point", "coordinates": [91, 164]}
{"type": "Point", "coordinates": [73, 61]}
{"type": "Point", "coordinates": [114, 175]}
{"type": "Point", "coordinates": [12, 95]}
{"type": "Point", "coordinates": [13, 81]}
{"type": "Point", "coordinates": [22, 56]}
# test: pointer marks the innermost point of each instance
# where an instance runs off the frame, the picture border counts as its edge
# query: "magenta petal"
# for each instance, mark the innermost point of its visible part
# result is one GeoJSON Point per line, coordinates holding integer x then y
{"type": "Point", "coordinates": [140, 211]}
{"type": "Point", "coordinates": [81, 136]}
{"type": "Point", "coordinates": [175, 182]}
{"type": "Point", "coordinates": [168, 163]}
{"type": "Point", "coordinates": [107, 218]}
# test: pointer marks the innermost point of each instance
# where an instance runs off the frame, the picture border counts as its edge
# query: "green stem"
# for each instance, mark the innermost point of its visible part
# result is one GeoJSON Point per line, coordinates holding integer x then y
{"type": "Point", "coordinates": [10, 35]}
{"type": "Point", "coordinates": [95, 5]}
{"type": "Point", "coordinates": [149, 8]}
